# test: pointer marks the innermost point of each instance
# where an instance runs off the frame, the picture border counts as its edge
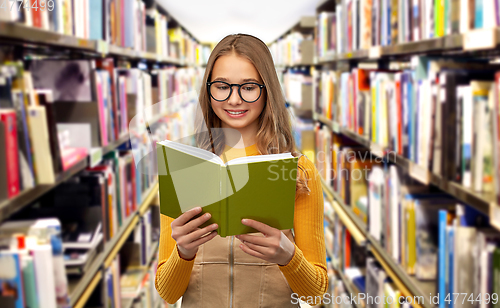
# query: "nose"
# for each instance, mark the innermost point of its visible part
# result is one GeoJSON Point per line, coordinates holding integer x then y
{"type": "Point", "coordinates": [235, 98]}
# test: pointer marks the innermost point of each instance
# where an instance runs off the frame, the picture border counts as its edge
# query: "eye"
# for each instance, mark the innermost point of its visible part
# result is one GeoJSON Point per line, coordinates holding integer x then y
{"type": "Point", "coordinates": [222, 87]}
{"type": "Point", "coordinates": [249, 88]}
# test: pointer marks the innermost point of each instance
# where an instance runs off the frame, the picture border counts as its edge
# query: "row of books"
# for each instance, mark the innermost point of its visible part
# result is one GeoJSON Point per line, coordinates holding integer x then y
{"type": "Point", "coordinates": [361, 24]}
{"type": "Point", "coordinates": [124, 23]}
{"type": "Point", "coordinates": [369, 283]}
{"type": "Point", "coordinates": [286, 51]}
{"type": "Point", "coordinates": [336, 288]}
{"type": "Point", "coordinates": [68, 225]}
{"type": "Point", "coordinates": [56, 112]}
{"type": "Point", "coordinates": [414, 224]}
{"type": "Point", "coordinates": [303, 130]}
{"type": "Point", "coordinates": [442, 115]}
{"type": "Point", "coordinates": [130, 276]}
{"type": "Point", "coordinates": [137, 257]}
{"type": "Point", "coordinates": [88, 19]}
{"type": "Point", "coordinates": [295, 82]}
{"type": "Point", "coordinates": [32, 265]}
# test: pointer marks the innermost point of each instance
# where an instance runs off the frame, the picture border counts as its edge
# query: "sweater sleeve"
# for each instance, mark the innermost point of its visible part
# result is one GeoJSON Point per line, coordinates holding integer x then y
{"type": "Point", "coordinates": [173, 272]}
{"type": "Point", "coordinates": [306, 272]}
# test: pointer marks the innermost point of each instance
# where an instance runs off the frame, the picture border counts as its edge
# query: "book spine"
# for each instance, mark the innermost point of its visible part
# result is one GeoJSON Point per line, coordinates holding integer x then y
{"type": "Point", "coordinates": [496, 136]}
{"type": "Point", "coordinates": [449, 276]}
{"type": "Point", "coordinates": [8, 119]}
{"type": "Point", "coordinates": [95, 8]}
{"type": "Point", "coordinates": [441, 286]}
{"type": "Point", "coordinates": [101, 109]}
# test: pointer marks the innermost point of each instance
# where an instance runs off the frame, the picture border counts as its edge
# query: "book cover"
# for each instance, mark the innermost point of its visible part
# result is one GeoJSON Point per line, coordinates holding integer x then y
{"type": "Point", "coordinates": [45, 98]}
{"type": "Point", "coordinates": [245, 187]}
{"type": "Point", "coordinates": [25, 151]}
{"type": "Point", "coordinates": [39, 133]}
{"type": "Point", "coordinates": [69, 80]}
{"type": "Point", "coordinates": [11, 285]}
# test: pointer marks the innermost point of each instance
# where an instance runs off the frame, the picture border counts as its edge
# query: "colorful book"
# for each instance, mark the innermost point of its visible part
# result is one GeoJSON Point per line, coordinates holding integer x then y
{"type": "Point", "coordinates": [10, 146]}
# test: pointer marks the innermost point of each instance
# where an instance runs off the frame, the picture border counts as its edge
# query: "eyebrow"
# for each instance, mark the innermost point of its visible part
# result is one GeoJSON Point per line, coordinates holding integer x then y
{"type": "Point", "coordinates": [244, 80]}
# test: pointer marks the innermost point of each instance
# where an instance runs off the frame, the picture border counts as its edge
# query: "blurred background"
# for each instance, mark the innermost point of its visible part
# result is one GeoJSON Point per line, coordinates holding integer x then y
{"type": "Point", "coordinates": [395, 101]}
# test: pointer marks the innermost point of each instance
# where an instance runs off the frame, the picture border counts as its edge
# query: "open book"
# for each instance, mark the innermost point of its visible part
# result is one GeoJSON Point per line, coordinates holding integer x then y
{"type": "Point", "coordinates": [258, 187]}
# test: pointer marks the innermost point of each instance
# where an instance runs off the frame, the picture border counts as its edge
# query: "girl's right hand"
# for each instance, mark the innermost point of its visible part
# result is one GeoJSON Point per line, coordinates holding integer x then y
{"type": "Point", "coordinates": [188, 235]}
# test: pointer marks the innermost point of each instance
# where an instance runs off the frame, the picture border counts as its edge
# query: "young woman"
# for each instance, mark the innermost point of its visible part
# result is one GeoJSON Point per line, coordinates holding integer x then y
{"type": "Point", "coordinates": [241, 91]}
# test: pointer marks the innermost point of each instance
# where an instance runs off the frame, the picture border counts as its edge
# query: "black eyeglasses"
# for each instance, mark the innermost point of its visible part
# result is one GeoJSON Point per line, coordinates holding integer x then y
{"type": "Point", "coordinates": [249, 92]}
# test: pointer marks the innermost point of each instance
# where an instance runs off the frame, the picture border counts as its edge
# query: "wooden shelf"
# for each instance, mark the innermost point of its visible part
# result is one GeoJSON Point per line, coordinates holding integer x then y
{"type": "Point", "coordinates": [19, 33]}
{"type": "Point", "coordinates": [480, 201]}
{"type": "Point", "coordinates": [81, 289]}
{"type": "Point", "coordinates": [448, 43]}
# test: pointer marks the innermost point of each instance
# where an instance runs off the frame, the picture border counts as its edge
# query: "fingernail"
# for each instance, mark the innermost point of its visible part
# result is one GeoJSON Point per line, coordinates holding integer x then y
{"type": "Point", "coordinates": [214, 226]}
{"type": "Point", "coordinates": [243, 220]}
{"type": "Point", "coordinates": [207, 215]}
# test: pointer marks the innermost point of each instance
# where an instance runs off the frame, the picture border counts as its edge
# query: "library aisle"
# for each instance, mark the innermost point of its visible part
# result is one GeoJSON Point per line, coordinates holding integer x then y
{"type": "Point", "coordinates": [396, 102]}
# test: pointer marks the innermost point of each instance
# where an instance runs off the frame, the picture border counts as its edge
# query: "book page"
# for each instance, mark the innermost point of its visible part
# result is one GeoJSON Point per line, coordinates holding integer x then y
{"type": "Point", "coordinates": [188, 180]}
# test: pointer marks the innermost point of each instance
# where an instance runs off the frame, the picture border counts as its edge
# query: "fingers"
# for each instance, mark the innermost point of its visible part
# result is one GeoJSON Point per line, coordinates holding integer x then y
{"type": "Point", "coordinates": [203, 240]}
{"type": "Point", "coordinates": [254, 239]}
{"type": "Point", "coordinates": [259, 226]}
{"type": "Point", "coordinates": [195, 235]}
{"type": "Point", "coordinates": [264, 250]}
{"type": "Point", "coordinates": [252, 252]}
{"type": "Point", "coordinates": [186, 216]}
{"type": "Point", "coordinates": [195, 223]}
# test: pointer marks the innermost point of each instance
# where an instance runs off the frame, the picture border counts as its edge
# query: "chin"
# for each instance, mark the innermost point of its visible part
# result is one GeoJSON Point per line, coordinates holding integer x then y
{"type": "Point", "coordinates": [236, 124]}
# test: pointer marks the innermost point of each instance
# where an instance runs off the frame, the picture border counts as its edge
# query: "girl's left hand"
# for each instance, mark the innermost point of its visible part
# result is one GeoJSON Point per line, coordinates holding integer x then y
{"type": "Point", "coordinates": [274, 247]}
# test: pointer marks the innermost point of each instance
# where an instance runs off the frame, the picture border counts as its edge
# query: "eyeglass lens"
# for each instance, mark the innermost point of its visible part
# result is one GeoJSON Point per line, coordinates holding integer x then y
{"type": "Point", "coordinates": [221, 91]}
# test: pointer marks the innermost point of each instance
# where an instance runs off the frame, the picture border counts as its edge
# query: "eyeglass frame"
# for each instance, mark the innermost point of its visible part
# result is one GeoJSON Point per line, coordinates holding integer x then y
{"type": "Point", "coordinates": [231, 85]}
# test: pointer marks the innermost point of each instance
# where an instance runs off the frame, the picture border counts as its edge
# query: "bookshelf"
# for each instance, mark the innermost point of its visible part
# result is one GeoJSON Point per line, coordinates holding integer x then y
{"type": "Point", "coordinates": [129, 216]}
{"type": "Point", "coordinates": [348, 103]}
{"type": "Point", "coordinates": [81, 289]}
{"type": "Point", "coordinates": [407, 284]}
{"type": "Point", "coordinates": [484, 202]}
{"type": "Point", "coordinates": [453, 44]}
{"type": "Point", "coordinates": [16, 33]}
{"type": "Point", "coordinates": [127, 302]}
{"type": "Point", "coordinates": [10, 206]}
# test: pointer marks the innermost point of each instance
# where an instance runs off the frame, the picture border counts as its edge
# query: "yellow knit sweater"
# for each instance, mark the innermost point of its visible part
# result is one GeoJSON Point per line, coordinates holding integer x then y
{"type": "Point", "coordinates": [306, 272]}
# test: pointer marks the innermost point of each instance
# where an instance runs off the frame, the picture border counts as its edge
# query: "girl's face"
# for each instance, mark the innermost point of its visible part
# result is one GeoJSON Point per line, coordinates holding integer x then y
{"type": "Point", "coordinates": [235, 112]}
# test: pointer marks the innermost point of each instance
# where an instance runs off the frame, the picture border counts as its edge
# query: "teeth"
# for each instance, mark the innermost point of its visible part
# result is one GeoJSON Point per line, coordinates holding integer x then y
{"type": "Point", "coordinates": [239, 112]}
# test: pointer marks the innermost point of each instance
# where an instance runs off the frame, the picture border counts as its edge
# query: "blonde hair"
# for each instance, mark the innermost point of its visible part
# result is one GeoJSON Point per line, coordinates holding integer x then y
{"type": "Point", "coordinates": [275, 133]}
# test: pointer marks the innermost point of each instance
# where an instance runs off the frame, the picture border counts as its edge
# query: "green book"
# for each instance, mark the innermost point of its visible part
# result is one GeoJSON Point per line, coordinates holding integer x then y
{"type": "Point", "coordinates": [258, 187]}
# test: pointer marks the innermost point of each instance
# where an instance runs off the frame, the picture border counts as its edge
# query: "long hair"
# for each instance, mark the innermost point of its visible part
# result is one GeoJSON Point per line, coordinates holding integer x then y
{"type": "Point", "coordinates": [275, 132]}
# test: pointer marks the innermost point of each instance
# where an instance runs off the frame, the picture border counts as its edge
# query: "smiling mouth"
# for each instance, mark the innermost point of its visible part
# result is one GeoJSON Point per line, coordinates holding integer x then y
{"type": "Point", "coordinates": [239, 112]}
